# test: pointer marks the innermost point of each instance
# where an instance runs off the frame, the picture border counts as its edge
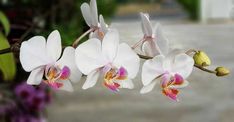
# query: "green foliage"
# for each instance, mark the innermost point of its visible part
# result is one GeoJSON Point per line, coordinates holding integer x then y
{"type": "Point", "coordinates": [192, 6]}
{"type": "Point", "coordinates": [7, 61]}
{"type": "Point", "coordinates": [5, 23]}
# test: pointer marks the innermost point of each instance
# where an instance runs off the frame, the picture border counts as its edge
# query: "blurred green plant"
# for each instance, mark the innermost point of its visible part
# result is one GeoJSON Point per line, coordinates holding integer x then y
{"type": "Point", "coordinates": [7, 61]}
{"type": "Point", "coordinates": [192, 6]}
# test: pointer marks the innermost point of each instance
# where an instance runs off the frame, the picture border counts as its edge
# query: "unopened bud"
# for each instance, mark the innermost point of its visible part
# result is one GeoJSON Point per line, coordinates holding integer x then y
{"type": "Point", "coordinates": [201, 59]}
{"type": "Point", "coordinates": [222, 71]}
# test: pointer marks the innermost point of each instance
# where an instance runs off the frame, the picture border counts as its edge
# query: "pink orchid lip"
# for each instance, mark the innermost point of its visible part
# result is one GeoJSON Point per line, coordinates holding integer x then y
{"type": "Point", "coordinates": [111, 75]}
{"type": "Point", "coordinates": [167, 81]}
{"type": "Point", "coordinates": [54, 73]}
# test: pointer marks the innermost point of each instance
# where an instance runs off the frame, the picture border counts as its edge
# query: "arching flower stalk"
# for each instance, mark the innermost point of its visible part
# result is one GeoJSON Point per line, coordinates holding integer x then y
{"type": "Point", "coordinates": [117, 63]}
{"type": "Point", "coordinates": [41, 58]}
{"type": "Point", "coordinates": [98, 28]}
{"type": "Point", "coordinates": [153, 39]}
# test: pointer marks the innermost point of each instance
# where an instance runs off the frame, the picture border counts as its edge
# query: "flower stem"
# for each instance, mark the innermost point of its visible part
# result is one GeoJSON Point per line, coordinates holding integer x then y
{"type": "Point", "coordinates": [82, 36]}
{"type": "Point", "coordinates": [138, 43]}
{"type": "Point", "coordinates": [190, 51]}
{"type": "Point", "coordinates": [199, 67]}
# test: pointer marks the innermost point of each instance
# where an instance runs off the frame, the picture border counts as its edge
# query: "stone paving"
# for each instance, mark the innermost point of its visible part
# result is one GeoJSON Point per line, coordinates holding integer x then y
{"type": "Point", "coordinates": [206, 99]}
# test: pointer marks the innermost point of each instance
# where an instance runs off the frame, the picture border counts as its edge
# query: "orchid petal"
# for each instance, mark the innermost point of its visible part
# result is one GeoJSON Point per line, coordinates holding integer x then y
{"type": "Point", "coordinates": [85, 10]}
{"type": "Point", "coordinates": [161, 40]}
{"type": "Point", "coordinates": [170, 58]}
{"type": "Point", "coordinates": [103, 25]}
{"type": "Point", "coordinates": [185, 84]}
{"type": "Point", "coordinates": [128, 84]}
{"type": "Point", "coordinates": [91, 79]}
{"type": "Point", "coordinates": [148, 88]}
{"type": "Point", "coordinates": [33, 53]}
{"type": "Point", "coordinates": [110, 44]}
{"type": "Point", "coordinates": [68, 59]}
{"type": "Point", "coordinates": [89, 56]}
{"type": "Point", "coordinates": [146, 24]}
{"type": "Point", "coordinates": [152, 69]}
{"type": "Point", "coordinates": [149, 48]}
{"type": "Point", "coordinates": [54, 46]}
{"type": "Point", "coordinates": [128, 59]}
{"type": "Point", "coordinates": [66, 85]}
{"type": "Point", "coordinates": [35, 76]}
{"type": "Point", "coordinates": [183, 65]}
{"type": "Point", "coordinates": [94, 11]}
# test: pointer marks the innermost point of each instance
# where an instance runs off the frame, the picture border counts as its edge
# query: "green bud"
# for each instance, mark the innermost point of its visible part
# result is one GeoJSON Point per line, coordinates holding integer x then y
{"type": "Point", "coordinates": [201, 59]}
{"type": "Point", "coordinates": [222, 71]}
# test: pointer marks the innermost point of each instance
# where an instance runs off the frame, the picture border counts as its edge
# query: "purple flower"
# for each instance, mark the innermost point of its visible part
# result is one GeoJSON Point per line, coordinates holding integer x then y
{"type": "Point", "coordinates": [27, 118]}
{"type": "Point", "coordinates": [33, 98]}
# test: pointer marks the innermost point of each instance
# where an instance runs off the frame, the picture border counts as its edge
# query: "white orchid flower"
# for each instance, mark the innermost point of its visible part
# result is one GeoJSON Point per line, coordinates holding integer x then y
{"type": "Point", "coordinates": [170, 71]}
{"type": "Point", "coordinates": [118, 63]}
{"type": "Point", "coordinates": [42, 58]}
{"type": "Point", "coordinates": [90, 14]}
{"type": "Point", "coordinates": [153, 39]}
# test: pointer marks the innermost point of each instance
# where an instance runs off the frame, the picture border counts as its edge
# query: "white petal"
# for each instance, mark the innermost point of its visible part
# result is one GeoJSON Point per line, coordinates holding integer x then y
{"type": "Point", "coordinates": [146, 25]}
{"type": "Point", "coordinates": [170, 58]}
{"type": "Point", "coordinates": [68, 59]}
{"type": "Point", "coordinates": [94, 11]}
{"type": "Point", "coordinates": [148, 88]}
{"type": "Point", "coordinates": [85, 10]}
{"type": "Point", "coordinates": [67, 86]}
{"type": "Point", "coordinates": [151, 69]}
{"type": "Point", "coordinates": [104, 27]}
{"type": "Point", "coordinates": [110, 44]}
{"type": "Point", "coordinates": [128, 59]}
{"type": "Point", "coordinates": [91, 79]}
{"type": "Point", "coordinates": [128, 84]}
{"type": "Point", "coordinates": [89, 56]}
{"type": "Point", "coordinates": [161, 40]}
{"type": "Point", "coordinates": [35, 76]}
{"type": "Point", "coordinates": [33, 53]}
{"type": "Point", "coordinates": [183, 65]}
{"type": "Point", "coordinates": [186, 83]}
{"type": "Point", "coordinates": [149, 48]}
{"type": "Point", "coordinates": [54, 46]}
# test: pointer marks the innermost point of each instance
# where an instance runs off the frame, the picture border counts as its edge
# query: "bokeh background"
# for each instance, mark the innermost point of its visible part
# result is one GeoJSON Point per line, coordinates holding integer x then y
{"type": "Point", "coordinates": [206, 25]}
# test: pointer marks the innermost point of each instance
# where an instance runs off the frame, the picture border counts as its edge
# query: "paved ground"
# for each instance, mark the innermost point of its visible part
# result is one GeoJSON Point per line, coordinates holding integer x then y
{"type": "Point", "coordinates": [206, 99]}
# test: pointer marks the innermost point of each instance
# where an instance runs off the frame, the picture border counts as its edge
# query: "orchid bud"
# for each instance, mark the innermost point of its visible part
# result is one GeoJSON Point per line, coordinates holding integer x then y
{"type": "Point", "coordinates": [222, 71]}
{"type": "Point", "coordinates": [201, 59]}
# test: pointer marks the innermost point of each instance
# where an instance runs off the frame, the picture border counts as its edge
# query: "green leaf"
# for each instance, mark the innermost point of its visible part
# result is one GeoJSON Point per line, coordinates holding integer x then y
{"type": "Point", "coordinates": [7, 61]}
{"type": "Point", "coordinates": [5, 23]}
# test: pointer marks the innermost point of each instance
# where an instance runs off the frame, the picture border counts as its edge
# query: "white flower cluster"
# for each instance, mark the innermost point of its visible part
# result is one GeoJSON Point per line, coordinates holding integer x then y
{"type": "Point", "coordinates": [102, 57]}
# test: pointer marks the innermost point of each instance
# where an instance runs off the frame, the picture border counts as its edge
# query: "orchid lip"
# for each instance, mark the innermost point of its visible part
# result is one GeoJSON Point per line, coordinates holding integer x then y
{"type": "Point", "coordinates": [112, 75]}
{"type": "Point", "coordinates": [54, 73]}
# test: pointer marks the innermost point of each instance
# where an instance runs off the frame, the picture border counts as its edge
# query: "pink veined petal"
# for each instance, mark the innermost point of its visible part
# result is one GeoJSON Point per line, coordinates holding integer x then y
{"type": "Point", "coordinates": [152, 69]}
{"type": "Point", "coordinates": [33, 53]}
{"type": "Point", "coordinates": [85, 10]}
{"type": "Point", "coordinates": [146, 25]}
{"type": "Point", "coordinates": [68, 60]}
{"type": "Point", "coordinates": [178, 79]}
{"type": "Point", "coordinates": [35, 76]}
{"type": "Point", "coordinates": [148, 88]}
{"type": "Point", "coordinates": [89, 56]}
{"type": "Point", "coordinates": [66, 85]}
{"type": "Point", "coordinates": [65, 73]}
{"type": "Point", "coordinates": [91, 79]}
{"type": "Point", "coordinates": [104, 26]}
{"type": "Point", "coordinates": [183, 65]}
{"type": "Point", "coordinates": [161, 40]}
{"type": "Point", "coordinates": [122, 73]}
{"type": "Point", "coordinates": [149, 48]}
{"type": "Point", "coordinates": [54, 45]}
{"type": "Point", "coordinates": [165, 80]}
{"type": "Point", "coordinates": [94, 11]}
{"type": "Point", "coordinates": [127, 59]}
{"type": "Point", "coordinates": [110, 44]}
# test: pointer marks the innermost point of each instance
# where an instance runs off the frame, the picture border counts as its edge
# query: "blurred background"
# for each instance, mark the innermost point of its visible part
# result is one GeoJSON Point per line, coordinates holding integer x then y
{"type": "Point", "coordinates": [189, 24]}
